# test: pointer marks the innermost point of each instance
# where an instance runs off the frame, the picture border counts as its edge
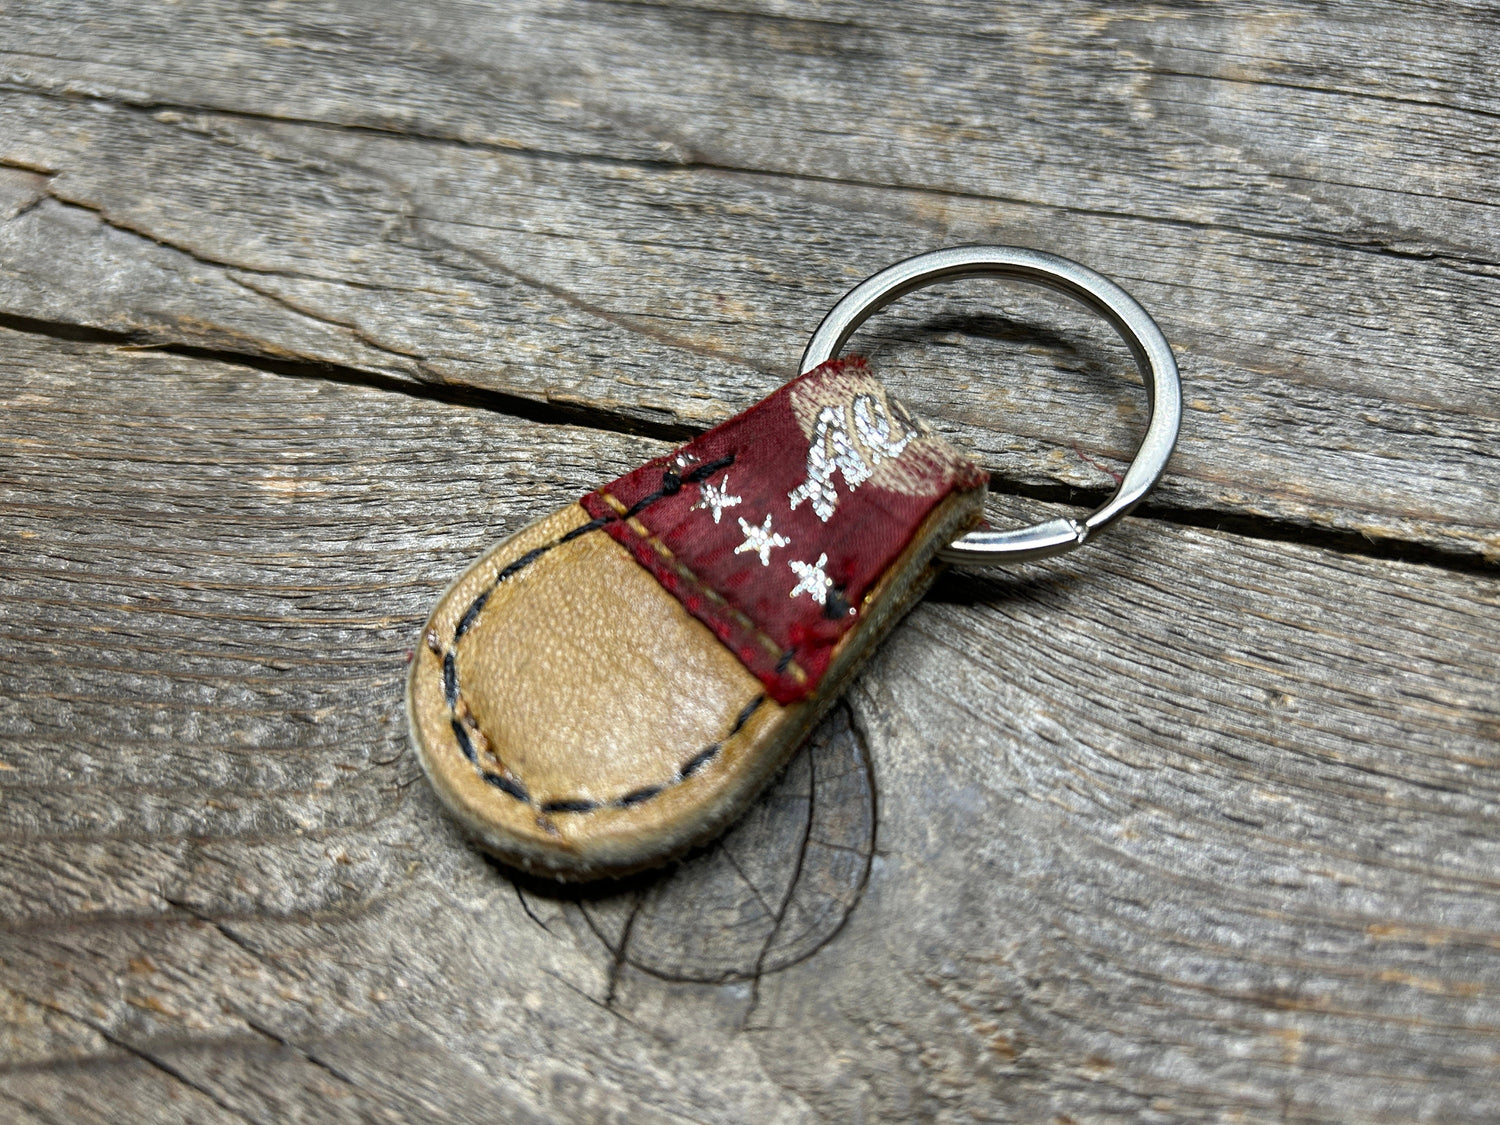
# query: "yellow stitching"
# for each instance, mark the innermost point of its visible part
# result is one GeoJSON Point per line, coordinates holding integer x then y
{"type": "Point", "coordinates": [743, 621]}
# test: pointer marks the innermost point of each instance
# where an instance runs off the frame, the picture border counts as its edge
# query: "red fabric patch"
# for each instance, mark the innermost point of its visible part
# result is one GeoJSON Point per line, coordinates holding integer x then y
{"type": "Point", "coordinates": [816, 489]}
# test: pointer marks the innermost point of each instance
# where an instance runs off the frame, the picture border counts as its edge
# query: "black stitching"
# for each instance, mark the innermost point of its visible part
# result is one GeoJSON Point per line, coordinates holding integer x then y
{"type": "Point", "coordinates": [672, 482]}
{"type": "Point", "coordinates": [466, 622]}
{"type": "Point", "coordinates": [524, 561]}
{"type": "Point", "coordinates": [703, 472]}
{"type": "Point", "coordinates": [785, 662]}
{"type": "Point", "coordinates": [636, 796]}
{"type": "Point", "coordinates": [643, 503]}
{"type": "Point", "coordinates": [699, 760]}
{"type": "Point", "coordinates": [570, 805]}
{"type": "Point", "coordinates": [836, 605]}
{"type": "Point", "coordinates": [750, 709]}
{"type": "Point", "coordinates": [450, 680]}
{"type": "Point", "coordinates": [585, 528]}
{"type": "Point", "coordinates": [464, 743]}
{"type": "Point", "coordinates": [507, 785]}
{"type": "Point", "coordinates": [470, 615]}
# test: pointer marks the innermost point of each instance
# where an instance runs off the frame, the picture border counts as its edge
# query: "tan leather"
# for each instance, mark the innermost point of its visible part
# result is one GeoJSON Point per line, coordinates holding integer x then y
{"type": "Point", "coordinates": [616, 730]}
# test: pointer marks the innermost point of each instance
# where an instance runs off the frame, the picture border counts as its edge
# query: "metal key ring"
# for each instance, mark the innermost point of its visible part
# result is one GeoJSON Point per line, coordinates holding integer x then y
{"type": "Point", "coordinates": [1153, 355]}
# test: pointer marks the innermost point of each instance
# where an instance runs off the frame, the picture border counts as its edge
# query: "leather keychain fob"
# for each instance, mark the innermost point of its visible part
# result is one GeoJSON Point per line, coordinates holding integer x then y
{"type": "Point", "coordinates": [617, 681]}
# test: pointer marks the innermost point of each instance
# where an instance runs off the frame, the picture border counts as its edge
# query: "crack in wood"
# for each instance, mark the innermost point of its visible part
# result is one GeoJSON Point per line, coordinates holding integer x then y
{"type": "Point", "coordinates": [635, 325]}
{"type": "Point", "coordinates": [791, 890]}
{"type": "Point", "coordinates": [540, 410]}
{"type": "Point", "coordinates": [304, 1052]}
{"type": "Point", "coordinates": [1352, 92]}
{"type": "Point", "coordinates": [717, 883]}
{"type": "Point", "coordinates": [145, 1055]}
{"type": "Point", "coordinates": [1188, 825]}
{"type": "Point", "coordinates": [621, 952]}
{"type": "Point", "coordinates": [225, 932]}
{"type": "Point", "coordinates": [526, 906]}
{"type": "Point", "coordinates": [349, 326]}
{"type": "Point", "coordinates": [791, 176]}
{"type": "Point", "coordinates": [545, 412]}
{"type": "Point", "coordinates": [609, 1006]}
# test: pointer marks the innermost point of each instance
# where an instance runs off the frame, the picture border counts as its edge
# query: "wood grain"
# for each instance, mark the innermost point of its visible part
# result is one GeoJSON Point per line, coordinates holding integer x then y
{"type": "Point", "coordinates": [302, 306]}
{"type": "Point", "coordinates": [1187, 821]}
{"type": "Point", "coordinates": [594, 206]}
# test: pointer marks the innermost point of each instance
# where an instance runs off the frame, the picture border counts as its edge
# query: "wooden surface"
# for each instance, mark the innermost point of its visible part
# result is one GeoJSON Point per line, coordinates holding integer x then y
{"type": "Point", "coordinates": [304, 304]}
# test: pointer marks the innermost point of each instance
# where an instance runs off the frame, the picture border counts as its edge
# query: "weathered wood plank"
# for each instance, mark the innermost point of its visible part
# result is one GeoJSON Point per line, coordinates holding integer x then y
{"type": "Point", "coordinates": [957, 97]}
{"type": "Point", "coordinates": [1186, 825]}
{"type": "Point", "coordinates": [637, 209]}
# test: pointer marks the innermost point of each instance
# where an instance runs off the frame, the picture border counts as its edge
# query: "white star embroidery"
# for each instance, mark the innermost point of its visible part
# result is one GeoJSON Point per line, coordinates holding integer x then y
{"type": "Point", "coordinates": [811, 580]}
{"type": "Point", "coordinates": [760, 540]}
{"type": "Point", "coordinates": [715, 499]}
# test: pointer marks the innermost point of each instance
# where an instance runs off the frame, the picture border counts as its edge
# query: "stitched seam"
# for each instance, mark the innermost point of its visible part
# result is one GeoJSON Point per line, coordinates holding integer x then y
{"type": "Point", "coordinates": [466, 731]}
{"type": "Point", "coordinates": [785, 661]}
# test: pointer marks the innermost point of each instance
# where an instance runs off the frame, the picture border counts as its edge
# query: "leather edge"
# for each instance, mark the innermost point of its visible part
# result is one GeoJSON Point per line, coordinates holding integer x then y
{"type": "Point", "coordinates": [896, 593]}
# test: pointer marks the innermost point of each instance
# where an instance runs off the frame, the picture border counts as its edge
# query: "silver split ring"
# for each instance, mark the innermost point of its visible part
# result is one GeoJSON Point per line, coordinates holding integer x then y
{"type": "Point", "coordinates": [1153, 355]}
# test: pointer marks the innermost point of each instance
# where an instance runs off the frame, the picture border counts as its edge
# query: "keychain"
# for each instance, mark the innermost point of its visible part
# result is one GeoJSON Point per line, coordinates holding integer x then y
{"type": "Point", "coordinates": [616, 682]}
